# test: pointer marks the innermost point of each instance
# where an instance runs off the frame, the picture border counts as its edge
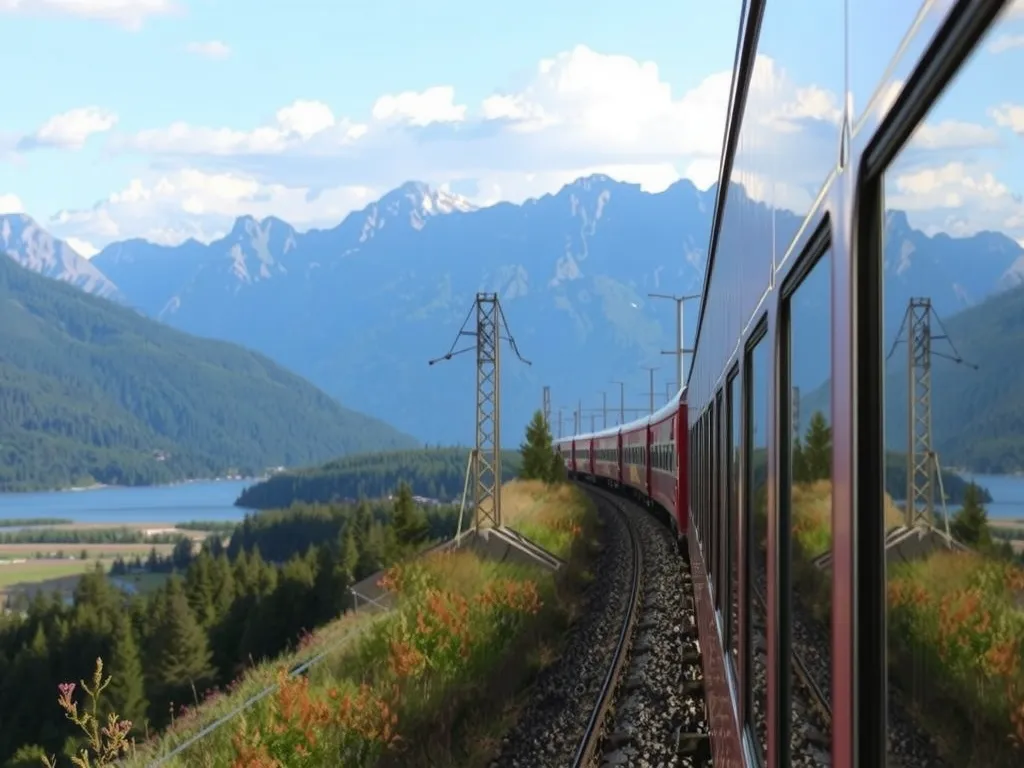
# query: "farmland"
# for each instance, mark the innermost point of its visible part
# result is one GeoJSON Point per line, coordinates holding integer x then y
{"type": "Point", "coordinates": [30, 567]}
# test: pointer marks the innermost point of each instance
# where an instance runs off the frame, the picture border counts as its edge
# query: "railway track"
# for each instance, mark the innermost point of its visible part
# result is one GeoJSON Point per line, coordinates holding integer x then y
{"type": "Point", "coordinates": [627, 689]}
{"type": "Point", "coordinates": [653, 704]}
{"type": "Point", "coordinates": [810, 744]}
{"type": "Point", "coordinates": [816, 697]}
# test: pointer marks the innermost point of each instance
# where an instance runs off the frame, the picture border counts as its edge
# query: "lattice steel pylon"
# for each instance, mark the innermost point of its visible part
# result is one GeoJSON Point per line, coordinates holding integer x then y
{"type": "Point", "coordinates": [916, 330]}
{"type": "Point", "coordinates": [485, 462]}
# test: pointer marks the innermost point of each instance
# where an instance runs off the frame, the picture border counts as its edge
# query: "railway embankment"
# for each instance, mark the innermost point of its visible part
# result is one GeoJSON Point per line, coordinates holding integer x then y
{"type": "Point", "coordinates": [436, 679]}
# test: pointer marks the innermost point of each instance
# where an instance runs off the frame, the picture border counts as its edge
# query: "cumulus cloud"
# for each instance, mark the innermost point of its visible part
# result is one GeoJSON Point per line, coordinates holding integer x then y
{"type": "Point", "coordinates": [580, 112]}
{"type": "Point", "coordinates": [82, 247]}
{"type": "Point", "coordinates": [129, 14]}
{"type": "Point", "coordinates": [957, 198]}
{"type": "Point", "coordinates": [210, 49]}
{"type": "Point", "coordinates": [70, 130]}
{"type": "Point", "coordinates": [172, 207]}
{"type": "Point", "coordinates": [11, 204]}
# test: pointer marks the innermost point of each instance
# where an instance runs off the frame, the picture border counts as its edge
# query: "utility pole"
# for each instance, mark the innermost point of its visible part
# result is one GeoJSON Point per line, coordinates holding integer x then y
{"type": "Point", "coordinates": [546, 406]}
{"type": "Point", "coordinates": [651, 369]}
{"type": "Point", "coordinates": [668, 390]}
{"type": "Point", "coordinates": [679, 350]}
{"type": "Point", "coordinates": [592, 428]}
{"type": "Point", "coordinates": [559, 423]}
{"type": "Point", "coordinates": [916, 331]}
{"type": "Point", "coordinates": [485, 461]}
{"type": "Point", "coordinates": [604, 410]}
{"type": "Point", "coordinates": [622, 401]}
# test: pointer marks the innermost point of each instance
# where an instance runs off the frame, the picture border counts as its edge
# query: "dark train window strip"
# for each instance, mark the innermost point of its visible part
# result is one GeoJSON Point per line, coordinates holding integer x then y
{"type": "Point", "coordinates": [758, 335]}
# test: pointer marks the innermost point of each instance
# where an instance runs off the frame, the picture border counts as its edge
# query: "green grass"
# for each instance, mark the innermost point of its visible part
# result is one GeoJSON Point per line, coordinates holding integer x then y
{"type": "Point", "coordinates": [436, 681]}
{"type": "Point", "coordinates": [33, 571]}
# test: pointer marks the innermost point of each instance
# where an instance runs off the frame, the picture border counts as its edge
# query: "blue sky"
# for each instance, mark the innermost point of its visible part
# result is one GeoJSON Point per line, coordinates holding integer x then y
{"type": "Point", "coordinates": [168, 118]}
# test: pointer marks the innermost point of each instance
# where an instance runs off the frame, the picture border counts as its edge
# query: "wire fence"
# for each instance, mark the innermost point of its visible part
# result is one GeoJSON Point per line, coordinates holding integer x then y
{"type": "Point", "coordinates": [368, 604]}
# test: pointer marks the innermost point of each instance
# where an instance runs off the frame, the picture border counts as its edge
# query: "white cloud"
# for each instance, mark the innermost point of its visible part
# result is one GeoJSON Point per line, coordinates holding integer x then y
{"type": "Point", "coordinates": [172, 207]}
{"type": "Point", "coordinates": [71, 129]}
{"type": "Point", "coordinates": [957, 198]}
{"type": "Point", "coordinates": [1009, 116]}
{"type": "Point", "coordinates": [129, 14]}
{"type": "Point", "coordinates": [83, 248]}
{"type": "Point", "coordinates": [581, 112]}
{"type": "Point", "coordinates": [1005, 43]}
{"type": "Point", "coordinates": [210, 49]}
{"type": "Point", "coordinates": [434, 105]}
{"type": "Point", "coordinates": [953, 134]}
{"type": "Point", "coordinates": [11, 204]}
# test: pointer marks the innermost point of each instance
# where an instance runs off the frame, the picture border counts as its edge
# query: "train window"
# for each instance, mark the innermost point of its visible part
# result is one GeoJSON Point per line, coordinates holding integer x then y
{"type": "Point", "coordinates": [716, 502]}
{"type": "Point", "coordinates": [756, 523]}
{"type": "Point", "coordinates": [733, 440]}
{"type": "Point", "coordinates": [722, 515]}
{"type": "Point", "coordinates": [953, 428]}
{"type": "Point", "coordinates": [805, 509]}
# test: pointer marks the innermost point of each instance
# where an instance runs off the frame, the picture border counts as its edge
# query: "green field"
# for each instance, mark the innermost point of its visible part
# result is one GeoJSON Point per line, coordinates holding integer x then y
{"type": "Point", "coordinates": [34, 571]}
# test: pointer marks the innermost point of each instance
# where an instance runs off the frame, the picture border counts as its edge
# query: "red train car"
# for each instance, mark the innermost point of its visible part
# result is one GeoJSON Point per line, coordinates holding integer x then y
{"type": "Point", "coordinates": [667, 430]}
{"type": "Point", "coordinates": [633, 463]}
{"type": "Point", "coordinates": [607, 466]}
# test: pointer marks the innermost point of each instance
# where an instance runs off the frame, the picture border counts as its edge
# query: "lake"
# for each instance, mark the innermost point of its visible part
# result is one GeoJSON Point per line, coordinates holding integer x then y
{"type": "Point", "coordinates": [209, 500]}
{"type": "Point", "coordinates": [214, 500]}
{"type": "Point", "coordinates": [1007, 495]}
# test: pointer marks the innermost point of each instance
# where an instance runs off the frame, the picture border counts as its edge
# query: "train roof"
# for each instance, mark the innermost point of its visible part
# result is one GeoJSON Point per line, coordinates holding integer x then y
{"type": "Point", "coordinates": [644, 421]}
{"type": "Point", "coordinates": [668, 408]}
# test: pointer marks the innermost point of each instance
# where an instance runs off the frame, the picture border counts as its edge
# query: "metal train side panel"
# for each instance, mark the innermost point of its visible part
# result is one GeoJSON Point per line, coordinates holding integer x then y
{"type": "Point", "coordinates": [606, 464]}
{"type": "Point", "coordinates": [663, 479]}
{"type": "Point", "coordinates": [725, 735]}
{"type": "Point", "coordinates": [681, 428]}
{"type": "Point", "coordinates": [634, 467]}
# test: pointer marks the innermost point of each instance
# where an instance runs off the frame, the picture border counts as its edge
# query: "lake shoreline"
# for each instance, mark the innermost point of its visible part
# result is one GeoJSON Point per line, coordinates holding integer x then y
{"type": "Point", "coordinates": [104, 486]}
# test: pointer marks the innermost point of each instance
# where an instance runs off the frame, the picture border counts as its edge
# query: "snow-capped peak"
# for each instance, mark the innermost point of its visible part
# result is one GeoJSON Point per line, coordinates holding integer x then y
{"type": "Point", "coordinates": [415, 202]}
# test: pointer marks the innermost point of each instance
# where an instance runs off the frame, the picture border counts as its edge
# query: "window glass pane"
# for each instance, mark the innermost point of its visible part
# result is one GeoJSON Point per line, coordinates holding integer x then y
{"type": "Point", "coordinates": [756, 522]}
{"type": "Point", "coordinates": [735, 441]}
{"type": "Point", "coordinates": [809, 513]}
{"type": "Point", "coordinates": [953, 336]}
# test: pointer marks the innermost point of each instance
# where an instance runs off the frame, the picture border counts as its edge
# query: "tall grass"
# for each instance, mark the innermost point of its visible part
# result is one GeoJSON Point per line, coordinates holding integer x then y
{"type": "Point", "coordinates": [955, 634]}
{"type": "Point", "coordinates": [433, 682]}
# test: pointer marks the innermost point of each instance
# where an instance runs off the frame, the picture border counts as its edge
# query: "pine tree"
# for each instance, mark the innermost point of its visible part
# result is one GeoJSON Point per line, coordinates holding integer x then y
{"type": "Point", "coordinates": [799, 461]}
{"type": "Point", "coordinates": [408, 520]}
{"type": "Point", "coordinates": [557, 474]}
{"type": "Point", "coordinates": [349, 553]}
{"type": "Point", "coordinates": [223, 585]}
{"type": "Point", "coordinates": [970, 523]}
{"type": "Point", "coordinates": [199, 589]}
{"type": "Point", "coordinates": [125, 695]}
{"type": "Point", "coordinates": [181, 661]}
{"type": "Point", "coordinates": [537, 450]}
{"type": "Point", "coordinates": [818, 450]}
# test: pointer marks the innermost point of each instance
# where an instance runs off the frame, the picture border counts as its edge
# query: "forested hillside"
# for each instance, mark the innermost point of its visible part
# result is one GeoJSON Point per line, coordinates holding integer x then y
{"type": "Point", "coordinates": [220, 612]}
{"type": "Point", "coordinates": [437, 473]}
{"type": "Point", "coordinates": [94, 392]}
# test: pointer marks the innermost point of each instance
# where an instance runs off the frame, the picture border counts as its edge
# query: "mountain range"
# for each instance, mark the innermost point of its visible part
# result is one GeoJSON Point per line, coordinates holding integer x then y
{"type": "Point", "coordinates": [359, 308]}
{"type": "Point", "coordinates": [94, 392]}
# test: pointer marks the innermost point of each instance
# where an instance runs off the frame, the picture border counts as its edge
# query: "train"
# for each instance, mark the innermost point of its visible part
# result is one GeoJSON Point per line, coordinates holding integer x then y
{"type": "Point", "coordinates": [826, 125]}
{"type": "Point", "coordinates": [644, 459]}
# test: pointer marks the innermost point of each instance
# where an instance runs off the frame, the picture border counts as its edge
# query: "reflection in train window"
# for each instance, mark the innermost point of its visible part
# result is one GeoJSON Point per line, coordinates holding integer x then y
{"type": "Point", "coordinates": [807, 517]}
{"type": "Point", "coordinates": [953, 349]}
{"type": "Point", "coordinates": [735, 440]}
{"type": "Point", "coordinates": [721, 517]}
{"type": "Point", "coordinates": [756, 520]}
